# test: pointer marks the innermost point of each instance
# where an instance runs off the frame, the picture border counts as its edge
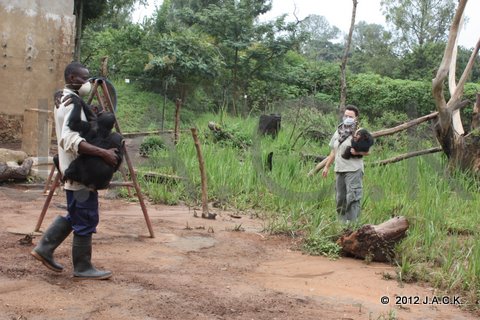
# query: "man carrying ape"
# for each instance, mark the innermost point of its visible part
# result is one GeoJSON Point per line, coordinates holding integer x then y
{"type": "Point", "coordinates": [82, 203]}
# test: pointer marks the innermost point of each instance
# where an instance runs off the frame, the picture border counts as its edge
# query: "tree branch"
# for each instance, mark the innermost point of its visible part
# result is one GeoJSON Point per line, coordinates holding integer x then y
{"type": "Point", "coordinates": [405, 156]}
{"type": "Point", "coordinates": [461, 83]}
{"type": "Point", "coordinates": [404, 126]}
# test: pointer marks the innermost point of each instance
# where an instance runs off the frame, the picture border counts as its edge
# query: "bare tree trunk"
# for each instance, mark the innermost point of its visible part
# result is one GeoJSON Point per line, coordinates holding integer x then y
{"type": "Point", "coordinates": [476, 114]}
{"type": "Point", "coordinates": [343, 71]}
{"type": "Point", "coordinates": [203, 176]}
{"type": "Point", "coordinates": [463, 151]}
{"type": "Point", "coordinates": [104, 66]}
{"type": "Point", "coordinates": [176, 132]}
{"type": "Point", "coordinates": [452, 85]}
{"type": "Point", "coordinates": [78, 28]}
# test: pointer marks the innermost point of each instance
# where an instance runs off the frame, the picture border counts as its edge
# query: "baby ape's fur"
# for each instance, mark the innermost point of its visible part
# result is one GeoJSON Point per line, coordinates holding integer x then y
{"type": "Point", "coordinates": [89, 170]}
{"type": "Point", "coordinates": [362, 140]}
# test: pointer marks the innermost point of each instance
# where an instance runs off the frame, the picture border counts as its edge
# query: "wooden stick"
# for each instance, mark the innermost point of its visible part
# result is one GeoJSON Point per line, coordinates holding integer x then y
{"type": "Point", "coordinates": [49, 179]}
{"type": "Point", "coordinates": [205, 213]}
{"type": "Point", "coordinates": [54, 186]}
{"type": "Point", "coordinates": [318, 167]}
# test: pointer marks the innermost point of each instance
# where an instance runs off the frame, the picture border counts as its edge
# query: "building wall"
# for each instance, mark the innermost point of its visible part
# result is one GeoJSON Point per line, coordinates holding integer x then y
{"type": "Point", "coordinates": [36, 43]}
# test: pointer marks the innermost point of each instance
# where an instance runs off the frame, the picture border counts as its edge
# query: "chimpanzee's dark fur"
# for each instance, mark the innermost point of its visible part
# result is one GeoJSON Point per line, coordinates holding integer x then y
{"type": "Point", "coordinates": [362, 143]}
{"type": "Point", "coordinates": [93, 171]}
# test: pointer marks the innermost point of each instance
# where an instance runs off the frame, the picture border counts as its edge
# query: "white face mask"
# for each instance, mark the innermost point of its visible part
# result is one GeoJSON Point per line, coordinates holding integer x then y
{"type": "Point", "coordinates": [85, 89]}
{"type": "Point", "coordinates": [348, 121]}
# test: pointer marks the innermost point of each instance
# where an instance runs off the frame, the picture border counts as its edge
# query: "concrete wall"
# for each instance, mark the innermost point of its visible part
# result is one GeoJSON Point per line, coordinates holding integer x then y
{"type": "Point", "coordinates": [36, 43]}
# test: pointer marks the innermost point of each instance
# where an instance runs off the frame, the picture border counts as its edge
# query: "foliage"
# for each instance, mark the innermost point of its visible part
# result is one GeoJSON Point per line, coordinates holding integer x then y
{"type": "Point", "coordinates": [101, 14]}
{"type": "Point", "coordinates": [419, 22]}
{"type": "Point", "coordinates": [320, 39]}
{"type": "Point", "coordinates": [246, 48]}
{"type": "Point", "coordinates": [141, 111]}
{"type": "Point", "coordinates": [123, 47]}
{"type": "Point", "coordinates": [422, 62]}
{"type": "Point", "coordinates": [321, 245]}
{"type": "Point", "coordinates": [231, 135]}
{"type": "Point", "coordinates": [375, 94]}
{"type": "Point", "coordinates": [373, 51]}
{"type": "Point", "coordinates": [184, 58]}
{"type": "Point", "coordinates": [151, 144]}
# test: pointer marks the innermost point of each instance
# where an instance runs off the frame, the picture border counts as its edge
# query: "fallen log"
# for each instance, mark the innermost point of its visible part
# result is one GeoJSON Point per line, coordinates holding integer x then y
{"type": "Point", "coordinates": [374, 242]}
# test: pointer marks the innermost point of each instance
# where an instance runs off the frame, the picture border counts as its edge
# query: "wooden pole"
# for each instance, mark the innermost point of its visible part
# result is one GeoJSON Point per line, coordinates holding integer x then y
{"type": "Point", "coordinates": [203, 176]}
{"type": "Point", "coordinates": [49, 179]}
{"type": "Point", "coordinates": [54, 186]}
{"type": "Point", "coordinates": [176, 134]}
{"type": "Point", "coordinates": [164, 105]}
{"type": "Point", "coordinates": [133, 176]}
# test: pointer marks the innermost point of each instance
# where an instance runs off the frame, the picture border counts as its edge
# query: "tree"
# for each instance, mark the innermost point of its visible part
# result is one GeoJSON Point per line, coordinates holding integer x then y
{"type": "Point", "coordinates": [422, 62]}
{"type": "Point", "coordinates": [124, 47]}
{"type": "Point", "coordinates": [101, 12]}
{"type": "Point", "coordinates": [247, 48]}
{"type": "Point", "coordinates": [462, 149]}
{"type": "Point", "coordinates": [373, 50]}
{"type": "Point", "coordinates": [186, 58]}
{"type": "Point", "coordinates": [319, 44]}
{"type": "Point", "coordinates": [419, 22]}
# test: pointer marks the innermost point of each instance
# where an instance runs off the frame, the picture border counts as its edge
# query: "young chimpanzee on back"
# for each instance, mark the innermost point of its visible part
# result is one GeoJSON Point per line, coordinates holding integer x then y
{"type": "Point", "coordinates": [89, 170]}
{"type": "Point", "coordinates": [362, 140]}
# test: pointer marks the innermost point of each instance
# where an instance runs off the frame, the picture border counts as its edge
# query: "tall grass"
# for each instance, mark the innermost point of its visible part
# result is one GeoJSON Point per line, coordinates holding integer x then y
{"type": "Point", "coordinates": [442, 245]}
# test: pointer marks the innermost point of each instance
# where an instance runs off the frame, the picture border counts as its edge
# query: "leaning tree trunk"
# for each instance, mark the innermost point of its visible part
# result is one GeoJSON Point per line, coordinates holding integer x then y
{"type": "Point", "coordinates": [462, 150]}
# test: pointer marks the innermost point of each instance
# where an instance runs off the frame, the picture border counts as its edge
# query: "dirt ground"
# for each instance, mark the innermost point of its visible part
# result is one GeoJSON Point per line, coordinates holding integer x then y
{"type": "Point", "coordinates": [193, 269]}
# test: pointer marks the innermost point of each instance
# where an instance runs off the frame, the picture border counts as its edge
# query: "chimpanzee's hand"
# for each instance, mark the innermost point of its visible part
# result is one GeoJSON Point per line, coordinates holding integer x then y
{"type": "Point", "coordinates": [110, 156]}
{"type": "Point", "coordinates": [57, 98]}
{"type": "Point", "coordinates": [67, 100]}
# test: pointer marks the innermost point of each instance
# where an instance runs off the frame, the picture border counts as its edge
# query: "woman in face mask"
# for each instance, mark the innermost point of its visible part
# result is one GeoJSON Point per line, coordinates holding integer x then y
{"type": "Point", "coordinates": [348, 172]}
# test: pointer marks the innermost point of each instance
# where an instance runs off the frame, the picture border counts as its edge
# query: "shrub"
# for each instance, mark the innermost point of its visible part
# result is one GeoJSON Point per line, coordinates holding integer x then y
{"type": "Point", "coordinates": [150, 144]}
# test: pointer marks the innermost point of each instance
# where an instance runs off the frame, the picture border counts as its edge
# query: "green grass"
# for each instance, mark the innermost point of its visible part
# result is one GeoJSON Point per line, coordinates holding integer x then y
{"type": "Point", "coordinates": [442, 244]}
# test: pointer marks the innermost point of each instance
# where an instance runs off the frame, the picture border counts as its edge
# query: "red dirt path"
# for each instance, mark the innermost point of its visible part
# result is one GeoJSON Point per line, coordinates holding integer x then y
{"type": "Point", "coordinates": [206, 272]}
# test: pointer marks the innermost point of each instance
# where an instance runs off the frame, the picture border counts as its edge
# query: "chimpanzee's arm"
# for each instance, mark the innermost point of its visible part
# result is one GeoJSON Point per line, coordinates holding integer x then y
{"type": "Point", "coordinates": [358, 153]}
{"type": "Point", "coordinates": [75, 121]}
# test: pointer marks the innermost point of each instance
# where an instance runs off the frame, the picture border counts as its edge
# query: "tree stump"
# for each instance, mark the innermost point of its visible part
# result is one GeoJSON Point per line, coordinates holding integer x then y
{"type": "Point", "coordinates": [375, 242]}
{"type": "Point", "coordinates": [15, 172]}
